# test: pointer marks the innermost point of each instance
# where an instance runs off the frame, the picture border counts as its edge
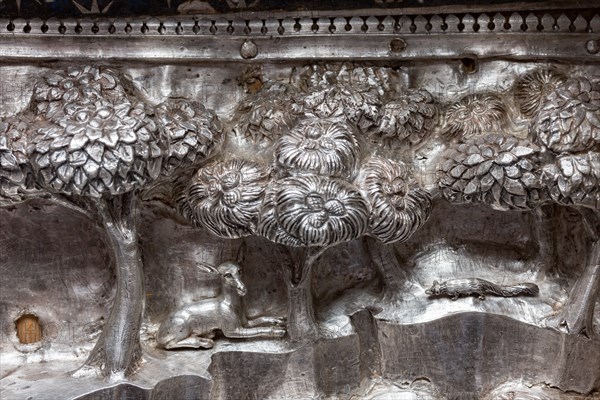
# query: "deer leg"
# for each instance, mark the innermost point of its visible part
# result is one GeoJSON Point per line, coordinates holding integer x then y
{"type": "Point", "coordinates": [192, 342]}
{"type": "Point", "coordinates": [265, 321]}
{"type": "Point", "coordinates": [243, 332]}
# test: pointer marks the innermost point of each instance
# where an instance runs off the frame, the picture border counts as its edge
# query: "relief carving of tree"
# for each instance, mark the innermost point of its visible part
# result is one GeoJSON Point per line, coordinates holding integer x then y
{"type": "Point", "coordinates": [558, 163]}
{"type": "Point", "coordinates": [568, 126]}
{"type": "Point", "coordinates": [90, 143]}
{"type": "Point", "coordinates": [316, 194]}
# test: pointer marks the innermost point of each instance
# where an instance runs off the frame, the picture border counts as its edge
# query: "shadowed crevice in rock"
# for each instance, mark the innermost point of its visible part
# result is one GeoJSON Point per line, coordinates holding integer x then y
{"type": "Point", "coordinates": [483, 351]}
{"type": "Point", "coordinates": [121, 391]}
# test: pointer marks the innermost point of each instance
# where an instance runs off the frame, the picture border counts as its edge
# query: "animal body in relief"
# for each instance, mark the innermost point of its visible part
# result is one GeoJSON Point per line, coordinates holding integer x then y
{"type": "Point", "coordinates": [195, 325]}
{"type": "Point", "coordinates": [480, 287]}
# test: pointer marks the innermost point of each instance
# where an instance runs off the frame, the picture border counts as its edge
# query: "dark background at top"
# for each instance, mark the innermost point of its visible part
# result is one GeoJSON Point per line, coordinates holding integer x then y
{"type": "Point", "coordinates": [124, 8]}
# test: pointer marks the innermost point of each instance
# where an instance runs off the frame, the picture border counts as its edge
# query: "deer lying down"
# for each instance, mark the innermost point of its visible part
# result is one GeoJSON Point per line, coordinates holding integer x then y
{"type": "Point", "coordinates": [194, 325]}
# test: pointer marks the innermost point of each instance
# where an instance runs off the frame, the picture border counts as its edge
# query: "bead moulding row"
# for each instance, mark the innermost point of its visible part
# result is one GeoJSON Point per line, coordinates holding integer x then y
{"type": "Point", "coordinates": [520, 36]}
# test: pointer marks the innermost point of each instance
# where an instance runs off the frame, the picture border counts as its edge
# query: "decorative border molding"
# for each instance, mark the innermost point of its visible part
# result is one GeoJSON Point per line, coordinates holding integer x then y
{"type": "Point", "coordinates": [519, 36]}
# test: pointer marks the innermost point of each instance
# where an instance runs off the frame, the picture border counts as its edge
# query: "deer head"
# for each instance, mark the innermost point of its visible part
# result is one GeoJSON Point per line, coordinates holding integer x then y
{"type": "Point", "coordinates": [231, 275]}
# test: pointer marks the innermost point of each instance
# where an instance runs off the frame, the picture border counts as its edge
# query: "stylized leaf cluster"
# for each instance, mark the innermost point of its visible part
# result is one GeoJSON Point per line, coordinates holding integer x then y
{"type": "Point", "coordinates": [569, 120]}
{"type": "Point", "coordinates": [319, 146]}
{"type": "Point", "coordinates": [263, 116]}
{"type": "Point", "coordinates": [88, 133]}
{"type": "Point", "coordinates": [574, 180]}
{"type": "Point", "coordinates": [225, 197]}
{"type": "Point", "coordinates": [194, 133]}
{"type": "Point", "coordinates": [14, 166]}
{"type": "Point", "coordinates": [313, 211]}
{"type": "Point", "coordinates": [359, 104]}
{"type": "Point", "coordinates": [408, 118]}
{"type": "Point", "coordinates": [98, 148]}
{"type": "Point", "coordinates": [76, 85]}
{"type": "Point", "coordinates": [501, 171]}
{"type": "Point", "coordinates": [532, 88]}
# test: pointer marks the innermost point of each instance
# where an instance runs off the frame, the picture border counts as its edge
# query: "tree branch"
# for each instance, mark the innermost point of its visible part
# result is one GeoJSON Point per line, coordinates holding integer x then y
{"type": "Point", "coordinates": [56, 198]}
{"type": "Point", "coordinates": [309, 256]}
{"type": "Point", "coordinates": [591, 220]}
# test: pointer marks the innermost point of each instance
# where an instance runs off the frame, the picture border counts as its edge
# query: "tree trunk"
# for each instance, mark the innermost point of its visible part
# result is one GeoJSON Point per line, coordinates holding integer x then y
{"type": "Point", "coordinates": [301, 314]}
{"type": "Point", "coordinates": [577, 314]}
{"type": "Point", "coordinates": [302, 325]}
{"type": "Point", "coordinates": [117, 352]}
{"type": "Point", "coordinates": [393, 275]}
{"type": "Point", "coordinates": [543, 231]}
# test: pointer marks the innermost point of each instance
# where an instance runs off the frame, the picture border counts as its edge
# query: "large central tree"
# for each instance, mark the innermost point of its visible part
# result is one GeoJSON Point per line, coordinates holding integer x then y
{"type": "Point", "coordinates": [312, 183]}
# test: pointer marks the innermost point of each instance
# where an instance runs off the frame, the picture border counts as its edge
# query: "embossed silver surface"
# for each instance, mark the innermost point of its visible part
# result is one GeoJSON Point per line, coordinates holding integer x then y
{"type": "Point", "coordinates": [343, 204]}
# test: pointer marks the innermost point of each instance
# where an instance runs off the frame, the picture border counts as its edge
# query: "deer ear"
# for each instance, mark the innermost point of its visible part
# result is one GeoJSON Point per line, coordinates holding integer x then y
{"type": "Point", "coordinates": [241, 253]}
{"type": "Point", "coordinates": [435, 283]}
{"type": "Point", "coordinates": [209, 269]}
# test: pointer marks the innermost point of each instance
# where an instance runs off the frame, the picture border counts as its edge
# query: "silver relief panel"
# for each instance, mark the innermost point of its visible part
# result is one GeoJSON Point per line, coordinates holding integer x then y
{"type": "Point", "coordinates": [278, 206]}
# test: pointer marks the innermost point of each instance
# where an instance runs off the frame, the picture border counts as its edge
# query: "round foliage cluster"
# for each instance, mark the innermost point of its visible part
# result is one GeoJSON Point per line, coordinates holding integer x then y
{"type": "Point", "coordinates": [398, 205]}
{"type": "Point", "coordinates": [313, 211]}
{"type": "Point", "coordinates": [225, 197]}
{"type": "Point", "coordinates": [531, 89]}
{"type": "Point", "coordinates": [475, 115]}
{"type": "Point", "coordinates": [408, 118]}
{"type": "Point", "coordinates": [322, 147]}
{"type": "Point", "coordinates": [574, 179]}
{"type": "Point", "coordinates": [359, 104]}
{"type": "Point", "coordinates": [80, 85]}
{"type": "Point", "coordinates": [86, 133]}
{"type": "Point", "coordinates": [265, 115]}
